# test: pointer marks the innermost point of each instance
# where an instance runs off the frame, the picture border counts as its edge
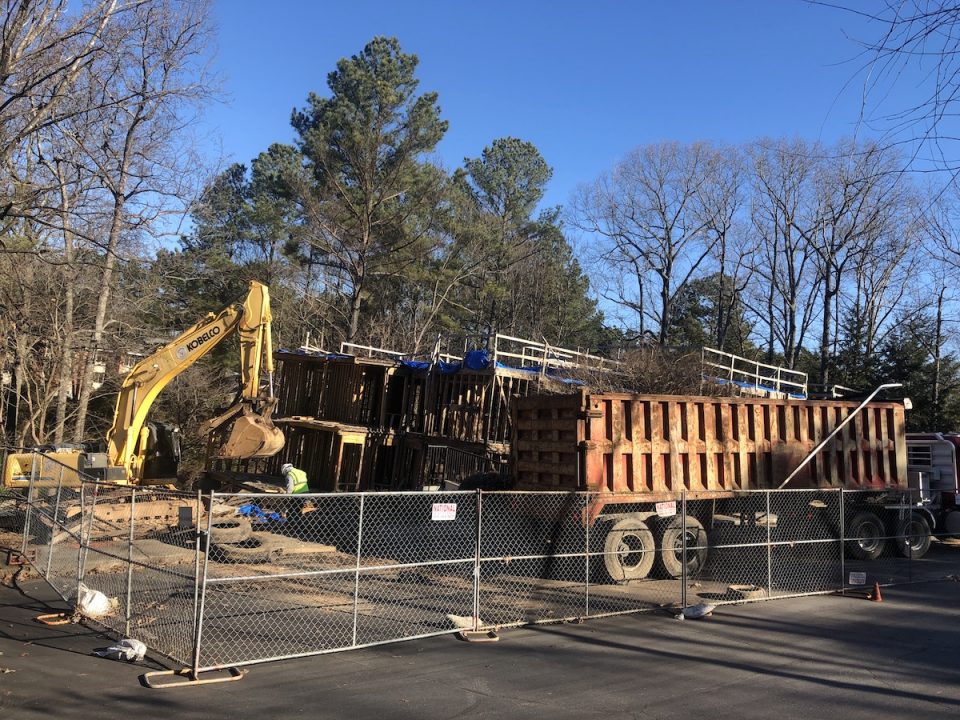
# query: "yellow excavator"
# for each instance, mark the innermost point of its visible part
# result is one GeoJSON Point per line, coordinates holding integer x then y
{"type": "Point", "coordinates": [142, 453]}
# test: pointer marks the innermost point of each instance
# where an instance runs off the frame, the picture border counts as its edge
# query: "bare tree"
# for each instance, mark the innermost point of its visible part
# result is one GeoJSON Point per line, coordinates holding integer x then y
{"type": "Point", "coordinates": [154, 64]}
{"type": "Point", "coordinates": [880, 278]}
{"type": "Point", "coordinates": [858, 193]}
{"type": "Point", "coordinates": [722, 197]}
{"type": "Point", "coordinates": [647, 211]}
{"type": "Point", "coordinates": [782, 174]}
{"type": "Point", "coordinates": [44, 49]}
{"type": "Point", "coordinates": [917, 50]}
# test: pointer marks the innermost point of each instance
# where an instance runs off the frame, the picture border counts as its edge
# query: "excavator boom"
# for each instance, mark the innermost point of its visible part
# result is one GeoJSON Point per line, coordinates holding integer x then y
{"type": "Point", "coordinates": [253, 433]}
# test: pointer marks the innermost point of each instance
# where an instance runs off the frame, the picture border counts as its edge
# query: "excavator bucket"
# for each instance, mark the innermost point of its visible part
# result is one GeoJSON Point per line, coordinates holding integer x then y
{"type": "Point", "coordinates": [252, 436]}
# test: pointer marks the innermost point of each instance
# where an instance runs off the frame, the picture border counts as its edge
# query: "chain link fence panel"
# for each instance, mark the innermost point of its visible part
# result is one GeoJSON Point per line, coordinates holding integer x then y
{"type": "Point", "coordinates": [637, 553]}
{"type": "Point", "coordinates": [318, 573]}
{"type": "Point", "coordinates": [136, 546]}
{"type": "Point", "coordinates": [531, 558]}
{"type": "Point", "coordinates": [545, 557]}
{"type": "Point", "coordinates": [881, 538]}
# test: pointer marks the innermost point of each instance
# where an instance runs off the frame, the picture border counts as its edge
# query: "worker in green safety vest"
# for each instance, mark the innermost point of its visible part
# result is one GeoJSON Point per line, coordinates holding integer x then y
{"type": "Point", "coordinates": [296, 479]}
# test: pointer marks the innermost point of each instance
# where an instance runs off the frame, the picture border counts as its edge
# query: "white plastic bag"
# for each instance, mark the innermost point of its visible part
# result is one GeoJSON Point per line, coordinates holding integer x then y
{"type": "Point", "coordinates": [92, 603]}
{"type": "Point", "coordinates": [127, 649]}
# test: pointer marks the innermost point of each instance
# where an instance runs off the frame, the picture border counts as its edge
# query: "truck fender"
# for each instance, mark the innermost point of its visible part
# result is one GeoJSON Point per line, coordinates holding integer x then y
{"type": "Point", "coordinates": [928, 516]}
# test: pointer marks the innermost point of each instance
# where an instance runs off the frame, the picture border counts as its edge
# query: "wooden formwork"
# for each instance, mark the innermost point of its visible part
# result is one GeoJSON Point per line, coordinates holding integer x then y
{"type": "Point", "coordinates": [337, 457]}
{"type": "Point", "coordinates": [338, 388]}
{"type": "Point", "coordinates": [664, 444]}
{"type": "Point", "coordinates": [475, 407]}
{"type": "Point", "coordinates": [468, 405]}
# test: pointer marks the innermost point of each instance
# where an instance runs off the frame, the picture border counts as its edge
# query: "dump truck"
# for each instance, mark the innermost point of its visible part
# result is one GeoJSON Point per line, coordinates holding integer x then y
{"type": "Point", "coordinates": [633, 451]}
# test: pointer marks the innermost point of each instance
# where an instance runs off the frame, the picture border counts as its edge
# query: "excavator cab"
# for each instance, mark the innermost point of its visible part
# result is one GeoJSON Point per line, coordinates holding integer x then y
{"type": "Point", "coordinates": [161, 457]}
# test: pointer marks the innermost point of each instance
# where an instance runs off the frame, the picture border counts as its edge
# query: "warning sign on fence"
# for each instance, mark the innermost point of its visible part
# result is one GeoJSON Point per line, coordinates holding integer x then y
{"type": "Point", "coordinates": [667, 509]}
{"type": "Point", "coordinates": [858, 578]}
{"type": "Point", "coordinates": [444, 511]}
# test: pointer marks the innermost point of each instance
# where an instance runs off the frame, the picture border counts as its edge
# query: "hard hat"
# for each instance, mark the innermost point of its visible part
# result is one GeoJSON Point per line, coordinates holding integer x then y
{"type": "Point", "coordinates": [285, 467]}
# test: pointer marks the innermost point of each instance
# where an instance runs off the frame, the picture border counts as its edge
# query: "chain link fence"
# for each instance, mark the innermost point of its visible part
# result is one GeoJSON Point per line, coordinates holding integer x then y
{"type": "Point", "coordinates": [288, 576]}
{"type": "Point", "coordinates": [136, 546]}
{"type": "Point", "coordinates": [219, 580]}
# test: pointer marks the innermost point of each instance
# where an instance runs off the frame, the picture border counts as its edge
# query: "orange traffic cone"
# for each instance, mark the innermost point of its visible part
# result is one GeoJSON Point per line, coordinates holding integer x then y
{"type": "Point", "coordinates": [875, 595]}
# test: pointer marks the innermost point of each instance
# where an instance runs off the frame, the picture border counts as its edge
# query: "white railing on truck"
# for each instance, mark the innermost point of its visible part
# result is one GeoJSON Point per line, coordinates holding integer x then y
{"type": "Point", "coordinates": [752, 374]}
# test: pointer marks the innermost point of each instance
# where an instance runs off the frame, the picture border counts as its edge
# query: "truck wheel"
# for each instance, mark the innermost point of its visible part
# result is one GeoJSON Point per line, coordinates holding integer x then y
{"type": "Point", "coordinates": [951, 523]}
{"type": "Point", "coordinates": [913, 536]}
{"type": "Point", "coordinates": [670, 557]}
{"type": "Point", "coordinates": [628, 550]}
{"type": "Point", "coordinates": [866, 537]}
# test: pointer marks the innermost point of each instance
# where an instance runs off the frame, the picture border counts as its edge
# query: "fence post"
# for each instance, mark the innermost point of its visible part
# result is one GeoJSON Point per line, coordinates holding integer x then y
{"type": "Point", "coordinates": [133, 507]}
{"type": "Point", "coordinates": [83, 515]}
{"type": "Point", "coordinates": [769, 550]}
{"type": "Point", "coordinates": [198, 631]}
{"type": "Point", "coordinates": [356, 573]}
{"type": "Point", "coordinates": [31, 498]}
{"type": "Point", "coordinates": [85, 543]}
{"type": "Point", "coordinates": [55, 524]}
{"type": "Point", "coordinates": [907, 540]}
{"type": "Point", "coordinates": [476, 562]}
{"type": "Point", "coordinates": [585, 515]}
{"type": "Point", "coordinates": [843, 540]}
{"type": "Point", "coordinates": [683, 556]}
{"type": "Point", "coordinates": [196, 559]}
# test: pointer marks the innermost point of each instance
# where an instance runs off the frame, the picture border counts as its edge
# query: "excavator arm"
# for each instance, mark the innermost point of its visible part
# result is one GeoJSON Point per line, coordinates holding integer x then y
{"type": "Point", "coordinates": [253, 433]}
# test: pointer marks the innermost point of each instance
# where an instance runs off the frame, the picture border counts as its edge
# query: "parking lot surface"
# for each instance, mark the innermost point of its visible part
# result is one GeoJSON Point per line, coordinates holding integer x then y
{"type": "Point", "coordinates": [825, 656]}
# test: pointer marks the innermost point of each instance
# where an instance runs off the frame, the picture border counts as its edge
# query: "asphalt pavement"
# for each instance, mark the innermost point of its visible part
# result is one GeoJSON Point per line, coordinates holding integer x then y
{"type": "Point", "coordinates": [821, 656]}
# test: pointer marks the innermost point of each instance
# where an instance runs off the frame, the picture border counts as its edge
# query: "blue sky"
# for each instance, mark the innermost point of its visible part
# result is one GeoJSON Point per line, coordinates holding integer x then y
{"type": "Point", "coordinates": [584, 81]}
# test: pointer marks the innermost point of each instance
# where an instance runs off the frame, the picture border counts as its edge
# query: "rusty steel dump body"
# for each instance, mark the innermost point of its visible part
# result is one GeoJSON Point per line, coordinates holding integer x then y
{"type": "Point", "coordinates": [658, 445]}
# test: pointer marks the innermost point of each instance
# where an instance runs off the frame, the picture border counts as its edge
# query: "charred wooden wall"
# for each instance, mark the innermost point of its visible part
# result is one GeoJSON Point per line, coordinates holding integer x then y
{"type": "Point", "coordinates": [325, 400]}
{"type": "Point", "coordinates": [338, 389]}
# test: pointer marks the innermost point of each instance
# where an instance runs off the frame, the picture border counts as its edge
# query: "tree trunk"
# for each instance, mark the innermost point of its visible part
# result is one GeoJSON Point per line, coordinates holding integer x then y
{"type": "Point", "coordinates": [86, 381]}
{"type": "Point", "coordinates": [65, 380]}
{"type": "Point", "coordinates": [356, 299]}
{"type": "Point", "coordinates": [828, 294]}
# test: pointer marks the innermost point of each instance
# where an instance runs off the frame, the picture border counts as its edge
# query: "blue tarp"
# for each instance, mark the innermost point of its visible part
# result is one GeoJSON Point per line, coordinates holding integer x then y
{"type": "Point", "coordinates": [445, 367]}
{"type": "Point", "coordinates": [476, 360]}
{"type": "Point", "coordinates": [415, 364]}
{"type": "Point", "coordinates": [755, 386]}
{"type": "Point", "coordinates": [257, 515]}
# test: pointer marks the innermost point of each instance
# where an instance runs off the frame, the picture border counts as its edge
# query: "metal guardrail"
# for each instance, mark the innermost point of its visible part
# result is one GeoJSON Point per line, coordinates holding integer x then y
{"type": "Point", "coordinates": [511, 351]}
{"type": "Point", "coordinates": [270, 577]}
{"type": "Point", "coordinates": [519, 352]}
{"type": "Point", "coordinates": [752, 374]}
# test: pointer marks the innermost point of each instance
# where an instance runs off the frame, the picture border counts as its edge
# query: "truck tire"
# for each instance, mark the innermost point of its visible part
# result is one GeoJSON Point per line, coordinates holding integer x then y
{"type": "Point", "coordinates": [913, 536]}
{"type": "Point", "coordinates": [951, 524]}
{"type": "Point", "coordinates": [670, 536]}
{"type": "Point", "coordinates": [628, 550]}
{"type": "Point", "coordinates": [866, 536]}
{"type": "Point", "coordinates": [234, 530]}
{"type": "Point", "coordinates": [253, 551]}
